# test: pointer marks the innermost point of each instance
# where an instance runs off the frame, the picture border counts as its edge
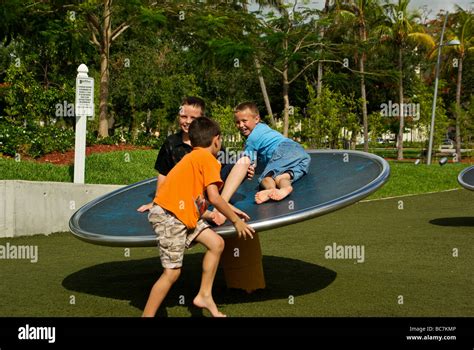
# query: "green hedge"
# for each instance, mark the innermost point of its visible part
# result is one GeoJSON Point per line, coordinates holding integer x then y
{"type": "Point", "coordinates": [35, 140]}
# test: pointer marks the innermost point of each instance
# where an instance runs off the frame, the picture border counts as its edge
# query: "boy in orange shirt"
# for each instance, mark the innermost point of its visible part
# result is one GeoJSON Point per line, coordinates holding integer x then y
{"type": "Point", "coordinates": [176, 216]}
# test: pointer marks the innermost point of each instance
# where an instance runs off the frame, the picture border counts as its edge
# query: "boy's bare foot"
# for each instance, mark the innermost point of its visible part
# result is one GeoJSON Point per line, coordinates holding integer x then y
{"type": "Point", "coordinates": [209, 304]}
{"type": "Point", "coordinates": [218, 218]}
{"type": "Point", "coordinates": [263, 196]}
{"type": "Point", "coordinates": [281, 193]}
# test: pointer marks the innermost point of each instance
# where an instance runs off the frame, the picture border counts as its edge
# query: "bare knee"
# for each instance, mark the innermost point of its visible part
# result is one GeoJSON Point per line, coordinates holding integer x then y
{"type": "Point", "coordinates": [241, 167]}
{"type": "Point", "coordinates": [211, 240]}
{"type": "Point", "coordinates": [244, 160]}
{"type": "Point", "coordinates": [172, 275]}
{"type": "Point", "coordinates": [218, 245]}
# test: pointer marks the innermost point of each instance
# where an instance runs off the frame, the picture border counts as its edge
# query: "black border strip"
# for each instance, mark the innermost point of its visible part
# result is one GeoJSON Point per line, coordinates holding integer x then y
{"type": "Point", "coordinates": [352, 330]}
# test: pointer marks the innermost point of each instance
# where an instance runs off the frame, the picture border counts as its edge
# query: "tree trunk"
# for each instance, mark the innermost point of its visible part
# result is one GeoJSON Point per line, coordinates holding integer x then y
{"type": "Point", "coordinates": [261, 80]}
{"type": "Point", "coordinates": [104, 69]}
{"type": "Point", "coordinates": [319, 86]}
{"type": "Point", "coordinates": [286, 89]}
{"type": "Point", "coordinates": [458, 110]}
{"type": "Point", "coordinates": [148, 121]}
{"type": "Point", "coordinates": [133, 125]}
{"type": "Point", "coordinates": [286, 100]}
{"type": "Point", "coordinates": [400, 97]}
{"type": "Point", "coordinates": [263, 87]}
{"type": "Point", "coordinates": [363, 36]}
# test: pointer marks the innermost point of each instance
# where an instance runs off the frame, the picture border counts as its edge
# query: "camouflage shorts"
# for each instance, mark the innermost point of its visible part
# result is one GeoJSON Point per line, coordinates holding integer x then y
{"type": "Point", "coordinates": [173, 236]}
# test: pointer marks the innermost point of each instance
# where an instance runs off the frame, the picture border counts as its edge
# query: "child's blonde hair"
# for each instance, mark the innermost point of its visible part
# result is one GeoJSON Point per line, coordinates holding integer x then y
{"type": "Point", "coordinates": [252, 107]}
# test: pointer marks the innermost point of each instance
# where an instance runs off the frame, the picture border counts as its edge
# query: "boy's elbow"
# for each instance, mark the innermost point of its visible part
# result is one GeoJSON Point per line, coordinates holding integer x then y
{"type": "Point", "coordinates": [213, 198]}
{"type": "Point", "coordinates": [214, 201]}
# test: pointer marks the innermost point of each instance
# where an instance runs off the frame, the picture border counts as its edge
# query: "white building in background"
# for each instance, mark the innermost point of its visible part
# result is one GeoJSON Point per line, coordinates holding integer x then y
{"type": "Point", "coordinates": [418, 134]}
{"type": "Point", "coordinates": [413, 135]}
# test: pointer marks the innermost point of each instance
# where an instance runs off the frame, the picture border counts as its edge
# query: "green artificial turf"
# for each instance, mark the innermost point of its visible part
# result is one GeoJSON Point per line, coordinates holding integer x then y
{"type": "Point", "coordinates": [410, 253]}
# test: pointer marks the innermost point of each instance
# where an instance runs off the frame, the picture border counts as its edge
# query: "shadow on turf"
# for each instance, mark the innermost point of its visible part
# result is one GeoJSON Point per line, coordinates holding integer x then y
{"type": "Point", "coordinates": [133, 279]}
{"type": "Point", "coordinates": [466, 221]}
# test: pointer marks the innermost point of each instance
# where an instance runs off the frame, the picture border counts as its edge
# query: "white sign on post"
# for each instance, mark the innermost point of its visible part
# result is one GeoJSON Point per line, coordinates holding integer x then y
{"type": "Point", "coordinates": [85, 96]}
{"type": "Point", "coordinates": [84, 108]}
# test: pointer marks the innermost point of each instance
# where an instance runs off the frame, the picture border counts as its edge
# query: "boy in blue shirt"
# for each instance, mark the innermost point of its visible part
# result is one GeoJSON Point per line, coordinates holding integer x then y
{"type": "Point", "coordinates": [285, 160]}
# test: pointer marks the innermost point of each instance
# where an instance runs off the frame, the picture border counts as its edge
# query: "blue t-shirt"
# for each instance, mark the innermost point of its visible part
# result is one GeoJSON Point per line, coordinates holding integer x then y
{"type": "Point", "coordinates": [262, 142]}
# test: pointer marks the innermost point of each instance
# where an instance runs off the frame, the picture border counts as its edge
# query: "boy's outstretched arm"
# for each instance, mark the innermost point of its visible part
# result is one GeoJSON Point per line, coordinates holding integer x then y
{"type": "Point", "coordinates": [217, 201]}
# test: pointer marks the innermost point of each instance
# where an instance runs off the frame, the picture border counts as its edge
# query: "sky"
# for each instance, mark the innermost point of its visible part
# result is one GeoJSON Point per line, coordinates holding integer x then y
{"type": "Point", "coordinates": [436, 5]}
{"type": "Point", "coordinates": [432, 6]}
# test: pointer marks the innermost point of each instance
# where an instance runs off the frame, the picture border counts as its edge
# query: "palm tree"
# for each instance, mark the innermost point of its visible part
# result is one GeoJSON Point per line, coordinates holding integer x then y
{"type": "Point", "coordinates": [401, 30]}
{"type": "Point", "coordinates": [464, 32]}
{"type": "Point", "coordinates": [322, 32]}
{"type": "Point", "coordinates": [360, 9]}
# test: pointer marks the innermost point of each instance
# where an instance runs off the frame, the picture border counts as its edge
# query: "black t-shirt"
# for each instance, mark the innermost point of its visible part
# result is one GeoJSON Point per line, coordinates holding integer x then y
{"type": "Point", "coordinates": [171, 152]}
{"type": "Point", "coordinates": [174, 149]}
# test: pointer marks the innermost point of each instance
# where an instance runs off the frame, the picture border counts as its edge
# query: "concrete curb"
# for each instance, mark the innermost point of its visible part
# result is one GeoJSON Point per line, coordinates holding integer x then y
{"type": "Point", "coordinates": [33, 207]}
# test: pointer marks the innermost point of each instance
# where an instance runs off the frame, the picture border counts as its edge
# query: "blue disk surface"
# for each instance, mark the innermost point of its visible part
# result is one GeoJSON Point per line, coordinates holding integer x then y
{"type": "Point", "coordinates": [337, 178]}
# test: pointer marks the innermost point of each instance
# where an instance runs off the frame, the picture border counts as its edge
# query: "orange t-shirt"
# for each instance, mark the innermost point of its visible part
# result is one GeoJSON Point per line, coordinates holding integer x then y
{"type": "Point", "coordinates": [184, 191]}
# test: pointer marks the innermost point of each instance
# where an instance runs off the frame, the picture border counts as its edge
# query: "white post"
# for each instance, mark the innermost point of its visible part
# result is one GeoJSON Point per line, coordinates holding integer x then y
{"type": "Point", "coordinates": [84, 107]}
{"type": "Point", "coordinates": [435, 95]}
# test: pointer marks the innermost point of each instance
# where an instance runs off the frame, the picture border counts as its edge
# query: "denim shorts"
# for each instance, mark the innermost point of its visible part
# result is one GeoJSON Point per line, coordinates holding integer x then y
{"type": "Point", "coordinates": [289, 157]}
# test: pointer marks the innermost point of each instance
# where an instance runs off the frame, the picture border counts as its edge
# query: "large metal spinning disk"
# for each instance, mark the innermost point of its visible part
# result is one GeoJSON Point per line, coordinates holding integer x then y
{"type": "Point", "coordinates": [336, 179]}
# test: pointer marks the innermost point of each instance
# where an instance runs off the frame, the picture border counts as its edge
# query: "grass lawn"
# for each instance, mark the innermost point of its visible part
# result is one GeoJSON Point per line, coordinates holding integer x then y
{"type": "Point", "coordinates": [121, 168]}
{"type": "Point", "coordinates": [408, 255]}
{"type": "Point", "coordinates": [407, 178]}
